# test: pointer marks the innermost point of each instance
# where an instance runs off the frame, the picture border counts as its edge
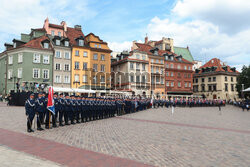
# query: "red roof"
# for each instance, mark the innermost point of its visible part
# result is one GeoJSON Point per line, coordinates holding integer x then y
{"type": "Point", "coordinates": [73, 33]}
{"type": "Point", "coordinates": [217, 63]}
{"type": "Point", "coordinates": [56, 26]}
{"type": "Point", "coordinates": [36, 43]}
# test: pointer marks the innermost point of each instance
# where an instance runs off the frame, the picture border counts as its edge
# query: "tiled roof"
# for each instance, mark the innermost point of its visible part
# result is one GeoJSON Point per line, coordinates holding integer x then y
{"type": "Point", "coordinates": [72, 34]}
{"type": "Point", "coordinates": [186, 54]}
{"type": "Point", "coordinates": [38, 29]}
{"type": "Point", "coordinates": [217, 63]}
{"type": "Point", "coordinates": [36, 43]}
{"type": "Point", "coordinates": [56, 26]}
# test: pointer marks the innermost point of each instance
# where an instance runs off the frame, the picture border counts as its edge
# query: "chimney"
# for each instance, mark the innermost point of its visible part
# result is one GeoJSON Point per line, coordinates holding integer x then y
{"type": "Point", "coordinates": [187, 47]}
{"type": "Point", "coordinates": [134, 45]}
{"type": "Point", "coordinates": [78, 27]}
{"type": "Point", "coordinates": [46, 24]}
{"type": "Point", "coordinates": [63, 23]}
{"type": "Point", "coordinates": [146, 40]}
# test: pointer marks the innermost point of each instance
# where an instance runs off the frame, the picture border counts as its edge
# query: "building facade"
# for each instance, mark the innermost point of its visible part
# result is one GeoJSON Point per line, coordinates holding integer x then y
{"type": "Point", "coordinates": [216, 80]}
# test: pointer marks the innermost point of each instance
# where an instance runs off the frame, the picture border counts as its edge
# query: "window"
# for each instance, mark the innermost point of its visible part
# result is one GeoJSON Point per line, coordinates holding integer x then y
{"type": "Point", "coordinates": [85, 66]}
{"type": "Point", "coordinates": [57, 42]}
{"type": "Point", "coordinates": [196, 80]}
{"type": "Point", "coordinates": [232, 87]}
{"type": "Point", "coordinates": [214, 79]}
{"type": "Point", "coordinates": [232, 79]}
{"type": "Point", "coordinates": [178, 67]}
{"type": "Point", "coordinates": [102, 57]}
{"type": "Point", "coordinates": [202, 79]}
{"type": "Point", "coordinates": [172, 74]}
{"type": "Point", "coordinates": [143, 67]}
{"type": "Point", "coordinates": [66, 67]}
{"type": "Point", "coordinates": [171, 66]}
{"type": "Point", "coordinates": [52, 32]}
{"type": "Point", "coordinates": [10, 59]}
{"type": "Point", "coordinates": [19, 72]}
{"type": "Point", "coordinates": [20, 57]}
{"type": "Point", "coordinates": [167, 83]}
{"type": "Point", "coordinates": [59, 33]}
{"type": "Point", "coordinates": [189, 68]}
{"type": "Point", "coordinates": [185, 67]}
{"type": "Point", "coordinates": [14, 45]}
{"type": "Point", "coordinates": [143, 57]}
{"type": "Point", "coordinates": [186, 84]}
{"type": "Point", "coordinates": [100, 46]}
{"type": "Point", "coordinates": [66, 79]}
{"type": "Point", "coordinates": [137, 66]}
{"type": "Point", "coordinates": [179, 84]}
{"type": "Point", "coordinates": [85, 54]}
{"type": "Point", "coordinates": [137, 78]}
{"type": "Point", "coordinates": [226, 87]}
{"type": "Point", "coordinates": [84, 78]}
{"type": "Point", "coordinates": [95, 56]}
{"type": "Point", "coordinates": [209, 79]}
{"type": "Point", "coordinates": [157, 70]}
{"type": "Point", "coordinates": [36, 73]}
{"type": "Point", "coordinates": [58, 66]}
{"type": "Point", "coordinates": [152, 69]}
{"type": "Point", "coordinates": [95, 45]}
{"type": "Point", "coordinates": [162, 80]}
{"type": "Point", "coordinates": [171, 57]}
{"type": "Point", "coordinates": [66, 43]}
{"type": "Point", "coordinates": [45, 59]}
{"type": "Point", "coordinates": [58, 54]}
{"type": "Point", "coordinates": [131, 78]}
{"type": "Point", "coordinates": [102, 68]}
{"type": "Point", "coordinates": [77, 52]}
{"type": "Point", "coordinates": [167, 73]}
{"type": "Point", "coordinates": [156, 61]}
{"type": "Point", "coordinates": [102, 79]}
{"type": "Point", "coordinates": [189, 85]}
{"type": "Point", "coordinates": [179, 75]}
{"type": "Point", "coordinates": [157, 79]}
{"type": "Point", "coordinates": [94, 79]}
{"type": "Point", "coordinates": [45, 74]}
{"type": "Point", "coordinates": [225, 78]}
{"type": "Point", "coordinates": [203, 88]}
{"type": "Point", "coordinates": [137, 56]}
{"type": "Point", "coordinates": [94, 67]}
{"type": "Point", "coordinates": [143, 79]}
{"type": "Point", "coordinates": [209, 87]}
{"type": "Point", "coordinates": [152, 60]}
{"type": "Point", "coordinates": [167, 65]}
{"type": "Point", "coordinates": [172, 84]}
{"type": "Point", "coordinates": [80, 42]}
{"type": "Point", "coordinates": [46, 45]}
{"type": "Point", "coordinates": [58, 79]}
{"type": "Point", "coordinates": [36, 58]}
{"type": "Point", "coordinates": [10, 73]}
{"type": "Point", "coordinates": [189, 75]}
{"type": "Point", "coordinates": [76, 65]}
{"type": "Point", "coordinates": [66, 55]}
{"type": "Point", "coordinates": [214, 87]}
{"type": "Point", "coordinates": [76, 77]}
{"type": "Point", "coordinates": [161, 61]}
{"type": "Point", "coordinates": [131, 65]}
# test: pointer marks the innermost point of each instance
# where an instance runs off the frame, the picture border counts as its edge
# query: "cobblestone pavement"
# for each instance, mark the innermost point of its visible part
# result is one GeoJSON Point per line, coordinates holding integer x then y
{"type": "Point", "coordinates": [156, 137]}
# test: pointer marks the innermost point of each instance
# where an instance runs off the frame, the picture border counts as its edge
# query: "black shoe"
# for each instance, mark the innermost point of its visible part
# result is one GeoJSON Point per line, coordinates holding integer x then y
{"type": "Point", "coordinates": [67, 124]}
{"type": "Point", "coordinates": [54, 126]}
{"type": "Point", "coordinates": [61, 124]}
{"type": "Point", "coordinates": [82, 121]}
{"type": "Point", "coordinates": [46, 127]}
{"type": "Point", "coordinates": [28, 130]}
{"type": "Point", "coordinates": [40, 129]}
{"type": "Point", "coordinates": [73, 123]}
{"type": "Point", "coordinates": [31, 130]}
{"type": "Point", "coordinates": [78, 122]}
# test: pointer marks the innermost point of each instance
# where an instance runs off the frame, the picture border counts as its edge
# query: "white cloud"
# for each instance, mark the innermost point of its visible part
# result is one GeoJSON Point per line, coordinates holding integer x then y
{"type": "Point", "coordinates": [119, 47]}
{"type": "Point", "coordinates": [229, 15]}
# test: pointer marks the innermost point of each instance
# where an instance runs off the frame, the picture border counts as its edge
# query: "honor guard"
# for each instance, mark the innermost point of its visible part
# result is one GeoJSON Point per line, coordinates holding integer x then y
{"type": "Point", "coordinates": [39, 108]}
{"type": "Point", "coordinates": [30, 112]}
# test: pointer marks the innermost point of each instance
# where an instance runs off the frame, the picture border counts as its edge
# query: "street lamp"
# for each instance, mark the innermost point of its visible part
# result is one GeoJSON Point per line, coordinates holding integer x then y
{"type": "Point", "coordinates": [242, 88]}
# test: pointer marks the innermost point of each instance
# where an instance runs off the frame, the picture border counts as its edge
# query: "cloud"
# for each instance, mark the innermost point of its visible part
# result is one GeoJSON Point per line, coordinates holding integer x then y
{"type": "Point", "coordinates": [231, 16]}
{"type": "Point", "coordinates": [119, 47]}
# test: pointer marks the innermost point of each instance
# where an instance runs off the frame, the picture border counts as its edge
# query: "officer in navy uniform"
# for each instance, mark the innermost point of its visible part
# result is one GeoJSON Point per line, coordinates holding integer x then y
{"type": "Point", "coordinates": [67, 109]}
{"type": "Point", "coordinates": [78, 107]}
{"type": "Point", "coordinates": [30, 112]}
{"type": "Point", "coordinates": [61, 103]}
{"type": "Point", "coordinates": [72, 109]}
{"type": "Point", "coordinates": [39, 108]}
{"type": "Point", "coordinates": [56, 104]}
{"type": "Point", "coordinates": [83, 110]}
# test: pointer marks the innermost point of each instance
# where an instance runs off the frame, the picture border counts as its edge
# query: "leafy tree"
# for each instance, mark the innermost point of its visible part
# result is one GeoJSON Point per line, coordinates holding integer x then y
{"type": "Point", "coordinates": [243, 78]}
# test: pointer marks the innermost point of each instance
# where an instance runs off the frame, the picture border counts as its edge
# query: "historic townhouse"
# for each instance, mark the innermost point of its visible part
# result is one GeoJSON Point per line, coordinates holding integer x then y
{"type": "Point", "coordinates": [216, 80]}
{"type": "Point", "coordinates": [130, 73]}
{"type": "Point", "coordinates": [26, 66]}
{"type": "Point", "coordinates": [178, 75]}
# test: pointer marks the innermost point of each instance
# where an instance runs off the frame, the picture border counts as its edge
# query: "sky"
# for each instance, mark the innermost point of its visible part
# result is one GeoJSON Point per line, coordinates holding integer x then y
{"type": "Point", "coordinates": [211, 28]}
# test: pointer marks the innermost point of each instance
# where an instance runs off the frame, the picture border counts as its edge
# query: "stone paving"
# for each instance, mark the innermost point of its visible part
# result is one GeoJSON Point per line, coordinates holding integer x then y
{"type": "Point", "coordinates": [156, 137]}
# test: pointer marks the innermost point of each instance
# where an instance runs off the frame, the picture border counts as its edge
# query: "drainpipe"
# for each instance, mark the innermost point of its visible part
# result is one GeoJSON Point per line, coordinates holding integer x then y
{"type": "Point", "coordinates": [7, 62]}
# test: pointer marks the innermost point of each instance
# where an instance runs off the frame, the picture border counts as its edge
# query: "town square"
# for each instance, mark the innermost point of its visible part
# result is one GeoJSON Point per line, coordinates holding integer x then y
{"type": "Point", "coordinates": [125, 83]}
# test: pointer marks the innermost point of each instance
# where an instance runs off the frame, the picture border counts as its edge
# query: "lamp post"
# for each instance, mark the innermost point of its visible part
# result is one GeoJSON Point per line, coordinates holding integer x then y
{"type": "Point", "coordinates": [242, 88]}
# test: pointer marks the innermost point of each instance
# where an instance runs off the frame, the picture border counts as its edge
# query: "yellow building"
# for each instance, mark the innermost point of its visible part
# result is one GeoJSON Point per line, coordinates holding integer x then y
{"type": "Point", "coordinates": [91, 61]}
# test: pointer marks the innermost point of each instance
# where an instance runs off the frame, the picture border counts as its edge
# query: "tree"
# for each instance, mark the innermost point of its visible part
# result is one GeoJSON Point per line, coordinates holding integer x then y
{"type": "Point", "coordinates": [243, 78]}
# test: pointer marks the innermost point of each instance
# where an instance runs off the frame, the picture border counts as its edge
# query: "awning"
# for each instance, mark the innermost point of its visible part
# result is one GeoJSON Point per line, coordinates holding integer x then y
{"type": "Point", "coordinates": [72, 90]}
{"type": "Point", "coordinates": [247, 90]}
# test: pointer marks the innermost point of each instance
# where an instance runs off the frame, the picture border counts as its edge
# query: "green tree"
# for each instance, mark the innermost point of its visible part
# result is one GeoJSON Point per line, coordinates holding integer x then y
{"type": "Point", "coordinates": [243, 78]}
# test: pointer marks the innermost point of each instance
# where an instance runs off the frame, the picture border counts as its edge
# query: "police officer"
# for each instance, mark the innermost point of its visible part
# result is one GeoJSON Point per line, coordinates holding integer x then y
{"type": "Point", "coordinates": [56, 104]}
{"type": "Point", "coordinates": [61, 104]}
{"type": "Point", "coordinates": [30, 112]}
{"type": "Point", "coordinates": [39, 108]}
{"type": "Point", "coordinates": [67, 109]}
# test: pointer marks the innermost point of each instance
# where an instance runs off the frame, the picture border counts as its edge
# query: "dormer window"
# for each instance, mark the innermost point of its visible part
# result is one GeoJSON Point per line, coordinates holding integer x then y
{"type": "Point", "coordinates": [59, 34]}
{"type": "Point", "coordinates": [80, 42]}
{"type": "Point", "coordinates": [156, 52]}
{"type": "Point", "coordinates": [53, 33]}
{"type": "Point", "coordinates": [179, 58]}
{"type": "Point", "coordinates": [66, 43]}
{"type": "Point", "coordinates": [57, 42]}
{"type": "Point", "coordinates": [14, 45]}
{"type": "Point", "coordinates": [46, 45]}
{"type": "Point", "coordinates": [171, 57]}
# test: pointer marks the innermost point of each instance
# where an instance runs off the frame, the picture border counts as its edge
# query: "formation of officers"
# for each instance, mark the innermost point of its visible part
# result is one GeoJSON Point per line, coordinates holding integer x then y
{"type": "Point", "coordinates": [75, 109]}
